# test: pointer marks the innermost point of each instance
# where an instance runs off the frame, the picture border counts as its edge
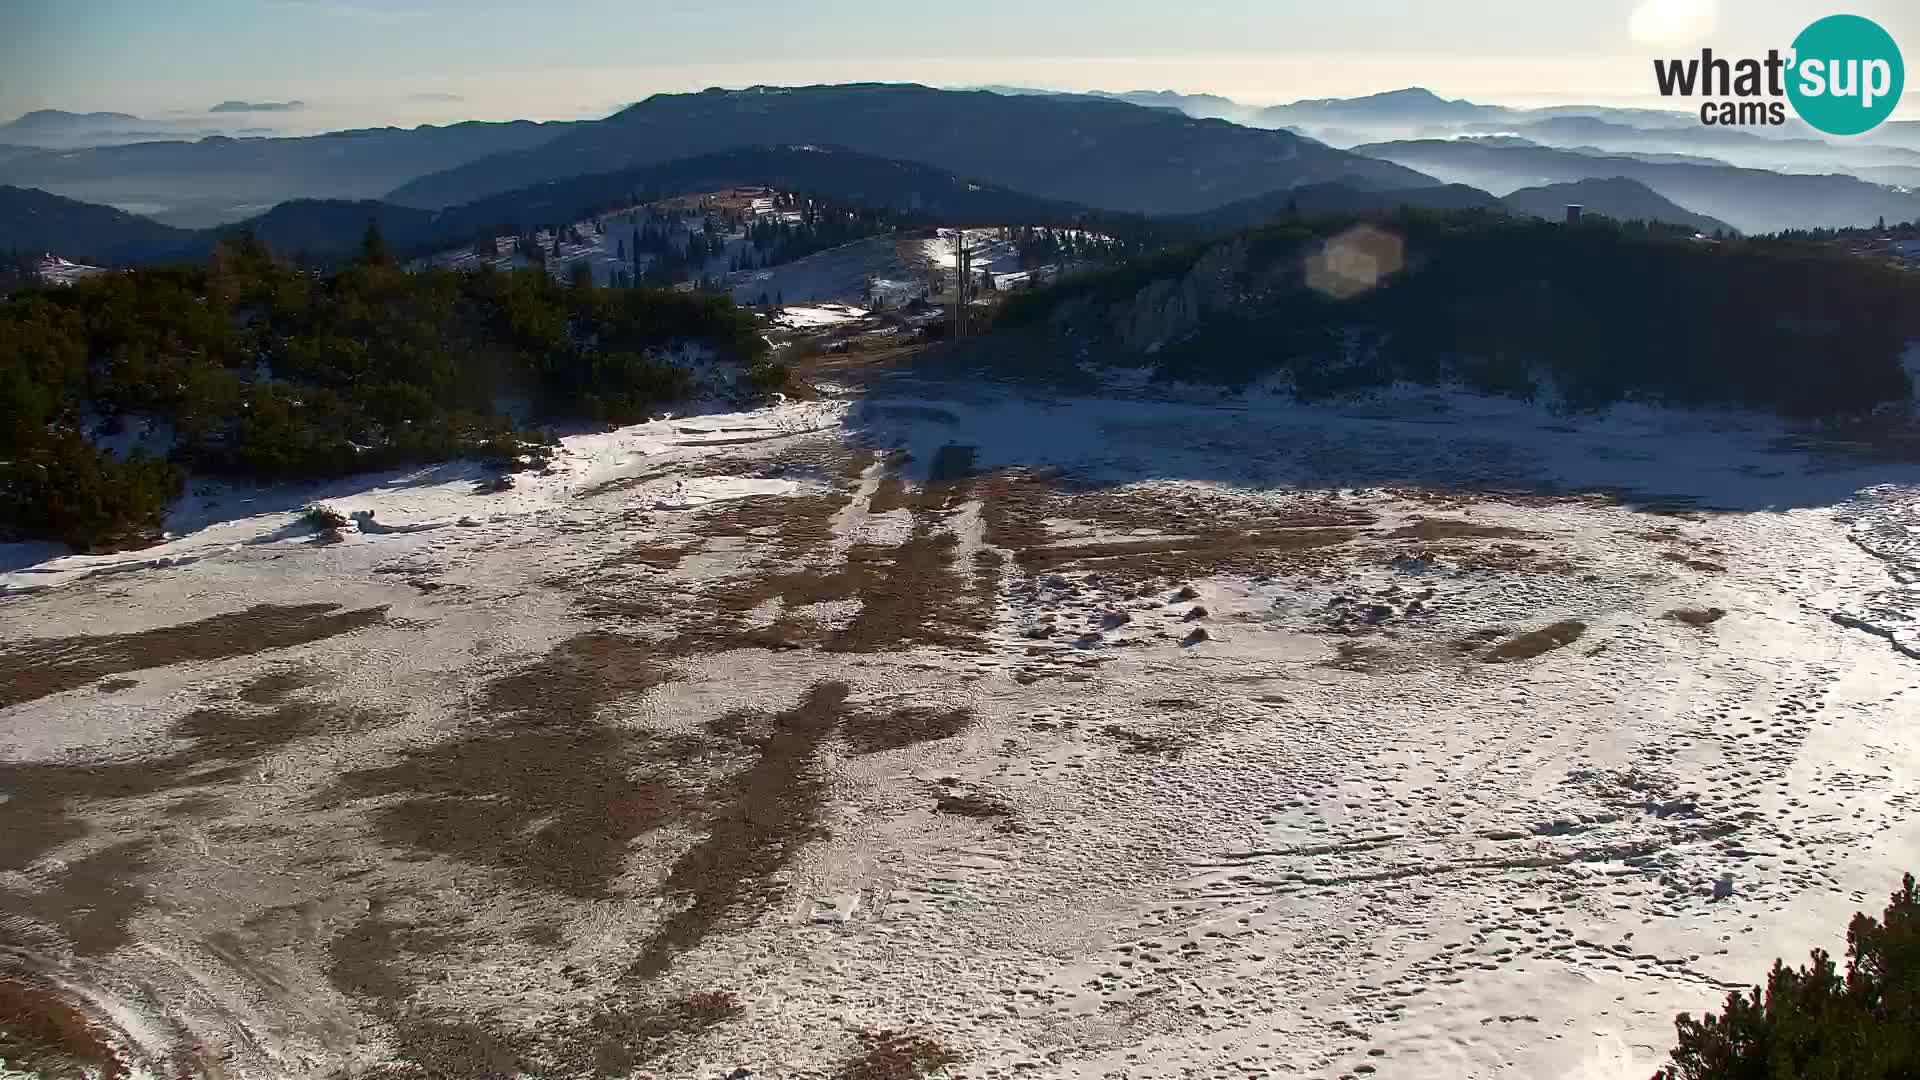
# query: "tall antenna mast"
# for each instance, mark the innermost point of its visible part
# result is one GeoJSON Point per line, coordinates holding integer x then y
{"type": "Point", "coordinates": [962, 263]}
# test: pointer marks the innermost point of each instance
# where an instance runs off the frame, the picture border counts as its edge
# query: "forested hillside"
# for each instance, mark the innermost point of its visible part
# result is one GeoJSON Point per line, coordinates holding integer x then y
{"type": "Point", "coordinates": [1595, 314]}
{"type": "Point", "coordinates": [1107, 154]}
{"type": "Point", "coordinates": [260, 371]}
{"type": "Point", "coordinates": [326, 231]}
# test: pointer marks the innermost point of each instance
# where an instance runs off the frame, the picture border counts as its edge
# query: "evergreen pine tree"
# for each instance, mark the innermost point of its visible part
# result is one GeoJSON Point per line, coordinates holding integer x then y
{"type": "Point", "coordinates": [373, 247]}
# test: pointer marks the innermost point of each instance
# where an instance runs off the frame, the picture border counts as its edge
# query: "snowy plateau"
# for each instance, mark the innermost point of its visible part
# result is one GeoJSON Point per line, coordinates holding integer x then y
{"type": "Point", "coordinates": [975, 729]}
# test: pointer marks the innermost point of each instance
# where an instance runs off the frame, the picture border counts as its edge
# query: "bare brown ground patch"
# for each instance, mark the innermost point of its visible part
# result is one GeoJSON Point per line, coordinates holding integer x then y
{"type": "Point", "coordinates": [717, 465]}
{"type": "Point", "coordinates": [551, 808]}
{"type": "Point", "coordinates": [771, 810]}
{"type": "Point", "coordinates": [236, 733]}
{"type": "Point", "coordinates": [968, 805]}
{"type": "Point", "coordinates": [197, 806]}
{"type": "Point", "coordinates": [799, 525]}
{"type": "Point", "coordinates": [891, 492]}
{"type": "Point", "coordinates": [889, 1055]}
{"type": "Point", "coordinates": [657, 556]}
{"type": "Point", "coordinates": [1356, 657]}
{"type": "Point", "coordinates": [1015, 506]}
{"type": "Point", "coordinates": [275, 687]}
{"type": "Point", "coordinates": [579, 675]}
{"type": "Point", "coordinates": [1184, 556]}
{"type": "Point", "coordinates": [45, 1036]}
{"type": "Point", "coordinates": [1698, 618]}
{"type": "Point", "coordinates": [1139, 742]}
{"type": "Point", "coordinates": [1215, 534]}
{"type": "Point", "coordinates": [90, 902]}
{"type": "Point", "coordinates": [45, 797]}
{"type": "Point", "coordinates": [542, 935]}
{"type": "Point", "coordinates": [1481, 638]}
{"type": "Point", "coordinates": [1537, 642]}
{"type": "Point", "coordinates": [622, 1038]}
{"type": "Point", "coordinates": [870, 732]}
{"type": "Point", "coordinates": [364, 961]}
{"type": "Point", "coordinates": [1431, 529]}
{"type": "Point", "coordinates": [48, 802]}
{"type": "Point", "coordinates": [910, 594]}
{"type": "Point", "coordinates": [1507, 559]}
{"type": "Point", "coordinates": [430, 1048]}
{"type": "Point", "coordinates": [542, 792]}
{"type": "Point", "coordinates": [913, 594]}
{"type": "Point", "coordinates": [1704, 566]}
{"type": "Point", "coordinates": [40, 667]}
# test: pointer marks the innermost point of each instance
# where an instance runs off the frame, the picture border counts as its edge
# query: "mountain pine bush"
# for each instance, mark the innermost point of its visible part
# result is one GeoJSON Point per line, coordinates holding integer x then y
{"type": "Point", "coordinates": [1813, 1023]}
{"type": "Point", "coordinates": [265, 372]}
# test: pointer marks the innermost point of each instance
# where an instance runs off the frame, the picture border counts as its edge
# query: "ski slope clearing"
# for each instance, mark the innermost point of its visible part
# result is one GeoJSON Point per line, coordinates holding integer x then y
{"type": "Point", "coordinates": [969, 730]}
{"type": "Point", "coordinates": [57, 271]}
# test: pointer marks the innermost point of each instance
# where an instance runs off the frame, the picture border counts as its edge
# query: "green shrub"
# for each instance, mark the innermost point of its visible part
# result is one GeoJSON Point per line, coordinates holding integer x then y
{"type": "Point", "coordinates": [321, 516]}
{"type": "Point", "coordinates": [272, 374]}
{"type": "Point", "coordinates": [64, 488]}
{"type": "Point", "coordinates": [1816, 1024]}
{"type": "Point", "coordinates": [768, 378]}
{"type": "Point", "coordinates": [1604, 313]}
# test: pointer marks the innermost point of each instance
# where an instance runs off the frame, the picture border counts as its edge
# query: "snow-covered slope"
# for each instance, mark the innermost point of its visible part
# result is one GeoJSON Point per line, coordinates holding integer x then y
{"type": "Point", "coordinates": [1151, 735]}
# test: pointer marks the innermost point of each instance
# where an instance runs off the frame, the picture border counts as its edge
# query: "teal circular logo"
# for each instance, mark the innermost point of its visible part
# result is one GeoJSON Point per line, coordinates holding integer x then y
{"type": "Point", "coordinates": [1847, 75]}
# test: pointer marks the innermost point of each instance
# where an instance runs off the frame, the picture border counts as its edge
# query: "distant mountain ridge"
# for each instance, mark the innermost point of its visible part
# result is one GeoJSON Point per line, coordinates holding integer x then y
{"type": "Point", "coordinates": [44, 119]}
{"type": "Point", "coordinates": [1318, 199]}
{"type": "Point", "coordinates": [59, 129]}
{"type": "Point", "coordinates": [35, 221]}
{"type": "Point", "coordinates": [1163, 152]}
{"type": "Point", "coordinates": [1751, 200]}
{"type": "Point", "coordinates": [1888, 155]}
{"type": "Point", "coordinates": [325, 230]}
{"type": "Point", "coordinates": [1106, 154]}
{"type": "Point", "coordinates": [1618, 198]}
{"type": "Point", "coordinates": [1413, 104]}
{"type": "Point", "coordinates": [215, 179]}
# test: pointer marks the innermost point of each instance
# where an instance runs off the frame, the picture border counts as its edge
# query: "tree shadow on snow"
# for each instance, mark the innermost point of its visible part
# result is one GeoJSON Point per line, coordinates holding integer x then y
{"type": "Point", "coordinates": [1107, 429]}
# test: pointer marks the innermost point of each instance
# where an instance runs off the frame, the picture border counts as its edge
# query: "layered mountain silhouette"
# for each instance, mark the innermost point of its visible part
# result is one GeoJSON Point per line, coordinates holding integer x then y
{"type": "Point", "coordinates": [1313, 200]}
{"type": "Point", "coordinates": [1751, 200]}
{"type": "Point", "coordinates": [1033, 154]}
{"type": "Point", "coordinates": [35, 221]}
{"type": "Point", "coordinates": [219, 179]}
{"type": "Point", "coordinates": [327, 230]}
{"type": "Point", "coordinates": [1107, 154]}
{"type": "Point", "coordinates": [1617, 197]}
{"type": "Point", "coordinates": [1410, 107]}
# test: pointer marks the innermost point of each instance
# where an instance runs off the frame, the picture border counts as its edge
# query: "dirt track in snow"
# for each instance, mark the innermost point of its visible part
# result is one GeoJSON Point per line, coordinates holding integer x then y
{"type": "Point", "coordinates": [936, 731]}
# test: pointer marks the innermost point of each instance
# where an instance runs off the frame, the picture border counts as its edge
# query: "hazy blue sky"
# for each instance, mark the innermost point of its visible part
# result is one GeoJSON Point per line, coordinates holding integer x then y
{"type": "Point", "coordinates": [404, 61]}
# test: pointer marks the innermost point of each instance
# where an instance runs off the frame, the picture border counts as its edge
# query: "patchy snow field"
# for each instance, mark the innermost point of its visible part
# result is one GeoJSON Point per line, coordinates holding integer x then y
{"type": "Point", "coordinates": [57, 271]}
{"type": "Point", "coordinates": [953, 730]}
{"type": "Point", "coordinates": [606, 242]}
{"type": "Point", "coordinates": [892, 265]}
{"type": "Point", "coordinates": [898, 268]}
